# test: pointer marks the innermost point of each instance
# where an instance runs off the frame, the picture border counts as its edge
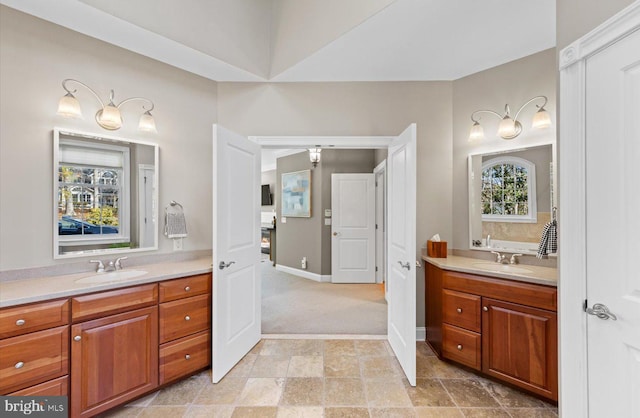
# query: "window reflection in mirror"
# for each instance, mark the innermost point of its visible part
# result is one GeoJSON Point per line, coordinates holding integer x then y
{"type": "Point", "coordinates": [106, 194]}
{"type": "Point", "coordinates": [510, 198]}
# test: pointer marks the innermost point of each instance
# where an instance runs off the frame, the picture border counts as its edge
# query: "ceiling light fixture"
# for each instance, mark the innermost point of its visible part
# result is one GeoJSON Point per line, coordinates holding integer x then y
{"type": "Point", "coordinates": [510, 128]}
{"type": "Point", "coordinates": [108, 116]}
{"type": "Point", "coordinates": [314, 156]}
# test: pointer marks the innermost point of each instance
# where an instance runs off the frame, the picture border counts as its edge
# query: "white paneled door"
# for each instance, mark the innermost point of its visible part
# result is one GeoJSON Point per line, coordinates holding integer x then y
{"type": "Point", "coordinates": [236, 296]}
{"type": "Point", "coordinates": [613, 228]}
{"type": "Point", "coordinates": [353, 228]}
{"type": "Point", "coordinates": [401, 241]}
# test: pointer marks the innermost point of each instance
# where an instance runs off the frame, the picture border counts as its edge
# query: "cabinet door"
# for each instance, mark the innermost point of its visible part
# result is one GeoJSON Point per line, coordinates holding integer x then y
{"type": "Point", "coordinates": [519, 345]}
{"type": "Point", "coordinates": [113, 359]}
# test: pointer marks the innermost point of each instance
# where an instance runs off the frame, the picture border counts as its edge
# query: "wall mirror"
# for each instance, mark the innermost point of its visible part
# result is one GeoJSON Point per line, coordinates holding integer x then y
{"type": "Point", "coordinates": [511, 198]}
{"type": "Point", "coordinates": [105, 194]}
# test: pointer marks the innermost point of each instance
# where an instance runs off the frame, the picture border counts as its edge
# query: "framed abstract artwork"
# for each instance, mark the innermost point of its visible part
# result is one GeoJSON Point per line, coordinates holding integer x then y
{"type": "Point", "coordinates": [296, 194]}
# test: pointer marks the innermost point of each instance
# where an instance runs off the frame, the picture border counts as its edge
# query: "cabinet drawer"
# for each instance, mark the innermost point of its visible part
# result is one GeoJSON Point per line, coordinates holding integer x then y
{"type": "Point", "coordinates": [184, 317]}
{"type": "Point", "coordinates": [55, 387]}
{"type": "Point", "coordinates": [33, 358]}
{"type": "Point", "coordinates": [111, 302]}
{"type": "Point", "coordinates": [184, 356]}
{"type": "Point", "coordinates": [462, 346]}
{"type": "Point", "coordinates": [461, 309]}
{"type": "Point", "coordinates": [183, 288]}
{"type": "Point", "coordinates": [29, 318]}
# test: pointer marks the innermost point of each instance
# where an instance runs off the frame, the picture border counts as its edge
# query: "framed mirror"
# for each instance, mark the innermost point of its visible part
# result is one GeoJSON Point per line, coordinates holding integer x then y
{"type": "Point", "coordinates": [105, 194]}
{"type": "Point", "coordinates": [511, 198]}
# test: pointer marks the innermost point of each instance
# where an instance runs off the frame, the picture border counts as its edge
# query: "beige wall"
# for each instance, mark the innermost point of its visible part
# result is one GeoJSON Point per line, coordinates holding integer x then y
{"type": "Point", "coordinates": [35, 56]}
{"type": "Point", "coordinates": [513, 83]}
{"type": "Point", "coordinates": [359, 109]}
{"type": "Point", "coordinates": [575, 18]}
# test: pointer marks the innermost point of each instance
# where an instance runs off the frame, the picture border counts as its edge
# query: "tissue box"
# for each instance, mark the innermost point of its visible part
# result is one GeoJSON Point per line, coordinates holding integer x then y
{"type": "Point", "coordinates": [437, 249]}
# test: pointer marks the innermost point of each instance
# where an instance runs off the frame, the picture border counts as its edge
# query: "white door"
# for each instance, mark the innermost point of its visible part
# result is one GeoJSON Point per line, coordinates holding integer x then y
{"type": "Point", "coordinates": [401, 241]}
{"type": "Point", "coordinates": [353, 228]}
{"type": "Point", "coordinates": [381, 228]}
{"type": "Point", "coordinates": [613, 228]}
{"type": "Point", "coordinates": [236, 249]}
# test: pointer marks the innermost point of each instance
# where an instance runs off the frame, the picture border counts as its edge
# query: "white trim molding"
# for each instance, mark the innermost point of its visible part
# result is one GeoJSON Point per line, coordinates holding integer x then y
{"type": "Point", "coordinates": [421, 333]}
{"type": "Point", "coordinates": [326, 278]}
{"type": "Point", "coordinates": [345, 142]}
{"type": "Point", "coordinates": [572, 283]}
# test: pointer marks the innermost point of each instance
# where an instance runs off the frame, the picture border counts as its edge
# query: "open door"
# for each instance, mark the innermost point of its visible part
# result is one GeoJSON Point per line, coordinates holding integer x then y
{"type": "Point", "coordinates": [236, 315]}
{"type": "Point", "coordinates": [401, 241]}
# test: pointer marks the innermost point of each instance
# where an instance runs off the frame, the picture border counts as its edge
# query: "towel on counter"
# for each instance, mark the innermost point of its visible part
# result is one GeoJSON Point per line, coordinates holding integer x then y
{"type": "Point", "coordinates": [175, 225]}
{"type": "Point", "coordinates": [549, 239]}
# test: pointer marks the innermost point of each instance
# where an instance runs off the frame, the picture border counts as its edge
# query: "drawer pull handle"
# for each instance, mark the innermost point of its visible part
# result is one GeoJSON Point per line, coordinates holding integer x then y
{"type": "Point", "coordinates": [484, 308]}
{"type": "Point", "coordinates": [459, 347]}
{"type": "Point", "coordinates": [187, 357]}
{"type": "Point", "coordinates": [77, 338]}
{"type": "Point", "coordinates": [459, 310]}
{"type": "Point", "coordinates": [19, 365]}
{"type": "Point", "coordinates": [20, 322]}
{"type": "Point", "coordinates": [187, 288]}
{"type": "Point", "coordinates": [187, 318]}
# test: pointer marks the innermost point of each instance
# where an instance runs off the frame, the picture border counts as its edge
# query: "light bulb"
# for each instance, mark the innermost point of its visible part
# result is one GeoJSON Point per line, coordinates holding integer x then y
{"type": "Point", "coordinates": [477, 133]}
{"type": "Point", "coordinates": [507, 127]}
{"type": "Point", "coordinates": [69, 107]}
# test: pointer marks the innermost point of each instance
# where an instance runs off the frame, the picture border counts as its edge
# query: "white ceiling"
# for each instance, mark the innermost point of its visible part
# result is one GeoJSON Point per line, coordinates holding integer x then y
{"type": "Point", "coordinates": [237, 40]}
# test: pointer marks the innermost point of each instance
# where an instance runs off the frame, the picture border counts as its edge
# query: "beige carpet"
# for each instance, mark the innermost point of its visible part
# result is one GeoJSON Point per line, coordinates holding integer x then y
{"type": "Point", "coordinates": [294, 305]}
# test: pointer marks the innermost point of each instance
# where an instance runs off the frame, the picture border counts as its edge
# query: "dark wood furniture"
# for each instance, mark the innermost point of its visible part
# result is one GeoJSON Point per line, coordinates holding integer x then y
{"type": "Point", "coordinates": [503, 328]}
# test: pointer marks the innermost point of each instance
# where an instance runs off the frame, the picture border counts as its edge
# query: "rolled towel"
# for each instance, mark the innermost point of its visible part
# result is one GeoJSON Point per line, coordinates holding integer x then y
{"type": "Point", "coordinates": [175, 225]}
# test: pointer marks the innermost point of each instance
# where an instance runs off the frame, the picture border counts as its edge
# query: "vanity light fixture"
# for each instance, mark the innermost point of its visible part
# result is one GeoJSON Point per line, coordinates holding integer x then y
{"type": "Point", "coordinates": [510, 128]}
{"type": "Point", "coordinates": [108, 116]}
{"type": "Point", "coordinates": [314, 156]}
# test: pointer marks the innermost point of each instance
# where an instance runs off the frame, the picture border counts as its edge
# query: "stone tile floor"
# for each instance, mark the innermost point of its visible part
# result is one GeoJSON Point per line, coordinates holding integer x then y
{"type": "Point", "coordinates": [336, 378]}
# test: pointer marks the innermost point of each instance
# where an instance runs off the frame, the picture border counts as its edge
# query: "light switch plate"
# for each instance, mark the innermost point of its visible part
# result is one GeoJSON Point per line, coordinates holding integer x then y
{"type": "Point", "coordinates": [327, 221]}
{"type": "Point", "coordinates": [177, 244]}
{"type": "Point", "coordinates": [283, 220]}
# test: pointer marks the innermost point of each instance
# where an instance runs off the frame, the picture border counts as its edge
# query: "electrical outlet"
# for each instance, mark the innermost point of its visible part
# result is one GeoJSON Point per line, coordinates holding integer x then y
{"type": "Point", "coordinates": [304, 263]}
{"type": "Point", "coordinates": [177, 244]}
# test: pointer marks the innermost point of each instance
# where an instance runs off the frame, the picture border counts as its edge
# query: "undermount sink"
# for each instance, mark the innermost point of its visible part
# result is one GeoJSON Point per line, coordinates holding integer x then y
{"type": "Point", "coordinates": [112, 276]}
{"type": "Point", "coordinates": [504, 268]}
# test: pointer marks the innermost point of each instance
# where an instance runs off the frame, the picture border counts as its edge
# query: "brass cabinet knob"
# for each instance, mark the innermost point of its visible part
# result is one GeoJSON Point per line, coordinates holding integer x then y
{"type": "Point", "coordinates": [19, 365]}
{"type": "Point", "coordinates": [187, 288]}
{"type": "Point", "coordinates": [459, 347]}
{"type": "Point", "coordinates": [187, 318]}
{"type": "Point", "coordinates": [187, 357]}
{"type": "Point", "coordinates": [486, 309]}
{"type": "Point", "coordinates": [77, 338]}
{"type": "Point", "coordinates": [459, 310]}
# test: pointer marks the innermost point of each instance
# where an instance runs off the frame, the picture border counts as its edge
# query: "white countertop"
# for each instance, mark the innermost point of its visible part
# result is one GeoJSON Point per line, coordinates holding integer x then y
{"type": "Point", "coordinates": [519, 272]}
{"type": "Point", "coordinates": [18, 292]}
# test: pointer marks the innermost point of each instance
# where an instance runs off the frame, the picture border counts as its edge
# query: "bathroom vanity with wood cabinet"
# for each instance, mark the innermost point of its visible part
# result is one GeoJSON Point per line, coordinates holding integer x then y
{"type": "Point", "coordinates": [106, 348]}
{"type": "Point", "coordinates": [503, 328]}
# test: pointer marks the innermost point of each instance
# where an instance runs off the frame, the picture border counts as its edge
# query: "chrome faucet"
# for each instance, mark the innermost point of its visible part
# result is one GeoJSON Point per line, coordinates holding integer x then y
{"type": "Point", "coordinates": [500, 258]}
{"type": "Point", "coordinates": [111, 266]}
{"type": "Point", "coordinates": [100, 268]}
{"type": "Point", "coordinates": [488, 240]}
{"type": "Point", "coordinates": [514, 259]}
{"type": "Point", "coordinates": [118, 263]}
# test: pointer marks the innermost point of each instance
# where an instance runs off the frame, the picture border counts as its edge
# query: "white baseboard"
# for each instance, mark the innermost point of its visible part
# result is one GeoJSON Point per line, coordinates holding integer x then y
{"type": "Point", "coordinates": [305, 274]}
{"type": "Point", "coordinates": [421, 333]}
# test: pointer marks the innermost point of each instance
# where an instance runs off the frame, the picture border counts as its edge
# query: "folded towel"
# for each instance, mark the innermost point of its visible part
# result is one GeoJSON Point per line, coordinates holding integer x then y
{"type": "Point", "coordinates": [549, 239]}
{"type": "Point", "coordinates": [175, 225]}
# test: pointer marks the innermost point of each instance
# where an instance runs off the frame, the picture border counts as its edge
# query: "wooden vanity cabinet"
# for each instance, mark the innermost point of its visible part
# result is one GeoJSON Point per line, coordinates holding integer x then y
{"type": "Point", "coordinates": [34, 349]}
{"type": "Point", "coordinates": [185, 324]}
{"type": "Point", "coordinates": [114, 358]}
{"type": "Point", "coordinates": [503, 328]}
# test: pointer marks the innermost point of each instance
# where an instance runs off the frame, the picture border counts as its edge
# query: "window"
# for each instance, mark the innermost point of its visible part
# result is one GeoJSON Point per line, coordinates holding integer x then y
{"type": "Point", "coordinates": [93, 193]}
{"type": "Point", "coordinates": [509, 190]}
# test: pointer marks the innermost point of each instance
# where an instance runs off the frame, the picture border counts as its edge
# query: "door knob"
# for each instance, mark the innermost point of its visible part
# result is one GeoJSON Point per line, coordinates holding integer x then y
{"type": "Point", "coordinates": [406, 265]}
{"type": "Point", "coordinates": [335, 234]}
{"type": "Point", "coordinates": [601, 311]}
{"type": "Point", "coordinates": [223, 265]}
